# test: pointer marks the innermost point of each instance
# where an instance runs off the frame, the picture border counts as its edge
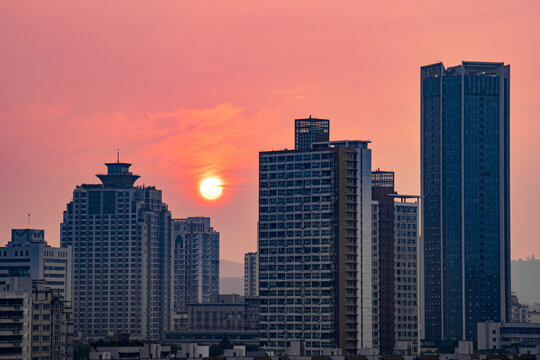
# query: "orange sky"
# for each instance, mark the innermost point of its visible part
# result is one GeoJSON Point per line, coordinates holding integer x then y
{"type": "Point", "coordinates": [188, 88]}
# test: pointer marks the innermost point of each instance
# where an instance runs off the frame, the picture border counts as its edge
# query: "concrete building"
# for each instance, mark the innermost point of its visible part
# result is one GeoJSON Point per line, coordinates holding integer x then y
{"type": "Point", "coordinates": [35, 321]}
{"type": "Point", "coordinates": [407, 279]}
{"type": "Point", "coordinates": [52, 324]}
{"type": "Point", "coordinates": [29, 254]}
{"type": "Point", "coordinates": [15, 318]}
{"type": "Point", "coordinates": [120, 236]}
{"type": "Point", "coordinates": [395, 251]}
{"type": "Point", "coordinates": [315, 282]}
{"type": "Point", "coordinates": [134, 352]}
{"type": "Point", "coordinates": [519, 312]}
{"type": "Point", "coordinates": [232, 315]}
{"type": "Point", "coordinates": [224, 312]}
{"type": "Point", "coordinates": [309, 131]}
{"type": "Point", "coordinates": [465, 188]}
{"type": "Point", "coordinates": [196, 261]}
{"type": "Point", "coordinates": [193, 350]}
{"type": "Point", "coordinates": [211, 337]}
{"type": "Point", "coordinates": [382, 185]}
{"type": "Point", "coordinates": [251, 277]}
{"type": "Point", "coordinates": [509, 337]}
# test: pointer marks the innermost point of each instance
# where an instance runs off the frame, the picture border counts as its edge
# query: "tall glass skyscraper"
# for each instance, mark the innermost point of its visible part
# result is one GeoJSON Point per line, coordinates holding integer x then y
{"type": "Point", "coordinates": [465, 174]}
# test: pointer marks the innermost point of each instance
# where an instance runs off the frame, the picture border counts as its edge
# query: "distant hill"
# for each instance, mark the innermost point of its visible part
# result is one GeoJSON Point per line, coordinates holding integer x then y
{"type": "Point", "coordinates": [230, 269]}
{"type": "Point", "coordinates": [526, 280]}
{"type": "Point", "coordinates": [231, 285]}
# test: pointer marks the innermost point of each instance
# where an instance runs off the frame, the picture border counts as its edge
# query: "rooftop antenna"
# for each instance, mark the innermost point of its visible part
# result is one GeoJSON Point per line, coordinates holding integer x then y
{"type": "Point", "coordinates": [28, 220]}
{"type": "Point", "coordinates": [117, 155]}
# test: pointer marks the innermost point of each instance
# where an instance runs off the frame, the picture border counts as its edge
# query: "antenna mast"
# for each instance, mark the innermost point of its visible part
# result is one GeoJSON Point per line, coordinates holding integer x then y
{"type": "Point", "coordinates": [117, 155]}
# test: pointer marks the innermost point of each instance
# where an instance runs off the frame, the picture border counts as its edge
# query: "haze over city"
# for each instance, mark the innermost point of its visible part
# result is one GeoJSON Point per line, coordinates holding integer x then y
{"type": "Point", "coordinates": [189, 90]}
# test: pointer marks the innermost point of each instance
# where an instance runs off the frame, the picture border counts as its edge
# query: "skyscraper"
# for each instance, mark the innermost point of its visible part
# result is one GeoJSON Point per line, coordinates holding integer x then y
{"type": "Point", "coordinates": [382, 183]}
{"type": "Point", "coordinates": [196, 259]}
{"type": "Point", "coordinates": [465, 176]}
{"type": "Point", "coordinates": [120, 236]}
{"type": "Point", "coordinates": [315, 248]}
{"type": "Point", "coordinates": [251, 269]}
{"type": "Point", "coordinates": [407, 251]}
{"type": "Point", "coordinates": [395, 267]}
{"type": "Point", "coordinates": [310, 130]}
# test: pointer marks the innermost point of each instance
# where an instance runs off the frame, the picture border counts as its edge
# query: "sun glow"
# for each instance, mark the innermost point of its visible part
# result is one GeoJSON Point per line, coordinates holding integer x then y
{"type": "Point", "coordinates": [211, 188]}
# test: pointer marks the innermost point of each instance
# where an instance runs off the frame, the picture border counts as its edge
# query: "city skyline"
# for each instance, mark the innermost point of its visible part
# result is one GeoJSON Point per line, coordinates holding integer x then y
{"type": "Point", "coordinates": [202, 92]}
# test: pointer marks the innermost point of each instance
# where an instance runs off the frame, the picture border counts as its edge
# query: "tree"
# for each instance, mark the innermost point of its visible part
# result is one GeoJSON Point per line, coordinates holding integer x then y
{"type": "Point", "coordinates": [81, 350]}
{"type": "Point", "coordinates": [217, 350]}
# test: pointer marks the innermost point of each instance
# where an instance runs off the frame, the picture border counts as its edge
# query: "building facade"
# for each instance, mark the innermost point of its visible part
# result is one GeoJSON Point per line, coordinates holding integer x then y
{"type": "Point", "coordinates": [509, 337]}
{"type": "Point", "coordinates": [35, 321]}
{"type": "Point", "coordinates": [465, 182]}
{"type": "Point", "coordinates": [309, 131]}
{"type": "Point", "coordinates": [52, 324]}
{"type": "Point", "coordinates": [382, 185]}
{"type": "Point", "coordinates": [28, 254]}
{"type": "Point", "coordinates": [396, 277]}
{"type": "Point", "coordinates": [225, 312]}
{"type": "Point", "coordinates": [120, 235]}
{"type": "Point", "coordinates": [231, 315]}
{"type": "Point", "coordinates": [196, 261]}
{"type": "Point", "coordinates": [251, 270]}
{"type": "Point", "coordinates": [314, 249]}
{"type": "Point", "coordinates": [15, 318]}
{"type": "Point", "coordinates": [407, 276]}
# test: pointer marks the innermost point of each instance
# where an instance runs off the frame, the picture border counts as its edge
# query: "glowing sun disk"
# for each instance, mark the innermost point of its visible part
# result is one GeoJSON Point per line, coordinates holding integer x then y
{"type": "Point", "coordinates": [211, 188]}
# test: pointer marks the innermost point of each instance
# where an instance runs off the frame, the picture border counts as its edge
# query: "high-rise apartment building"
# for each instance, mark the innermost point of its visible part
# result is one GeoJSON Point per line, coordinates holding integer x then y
{"type": "Point", "coordinates": [395, 267]}
{"type": "Point", "coordinates": [465, 176]}
{"type": "Point", "coordinates": [382, 183]}
{"type": "Point", "coordinates": [52, 324]}
{"type": "Point", "coordinates": [251, 270]}
{"type": "Point", "coordinates": [16, 318]}
{"type": "Point", "coordinates": [407, 279]}
{"type": "Point", "coordinates": [314, 248]}
{"type": "Point", "coordinates": [309, 131]}
{"type": "Point", "coordinates": [35, 321]}
{"type": "Point", "coordinates": [28, 254]}
{"type": "Point", "coordinates": [196, 261]}
{"type": "Point", "coordinates": [120, 236]}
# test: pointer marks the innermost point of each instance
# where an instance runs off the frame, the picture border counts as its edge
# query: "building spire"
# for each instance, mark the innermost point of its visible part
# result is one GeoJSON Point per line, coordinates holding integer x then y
{"type": "Point", "coordinates": [117, 155]}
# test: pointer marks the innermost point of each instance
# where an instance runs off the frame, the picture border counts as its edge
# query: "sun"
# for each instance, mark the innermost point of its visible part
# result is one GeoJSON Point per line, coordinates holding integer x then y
{"type": "Point", "coordinates": [211, 188]}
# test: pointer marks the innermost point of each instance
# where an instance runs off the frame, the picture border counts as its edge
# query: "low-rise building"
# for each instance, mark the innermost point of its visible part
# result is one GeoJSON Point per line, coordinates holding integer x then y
{"type": "Point", "coordinates": [508, 337]}
{"type": "Point", "coordinates": [147, 350]}
{"type": "Point", "coordinates": [223, 312]}
{"type": "Point", "coordinates": [519, 312]}
{"type": "Point", "coordinates": [230, 315]}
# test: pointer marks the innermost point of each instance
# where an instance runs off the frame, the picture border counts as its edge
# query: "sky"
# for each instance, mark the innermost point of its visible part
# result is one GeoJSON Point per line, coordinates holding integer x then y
{"type": "Point", "coordinates": [189, 89]}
